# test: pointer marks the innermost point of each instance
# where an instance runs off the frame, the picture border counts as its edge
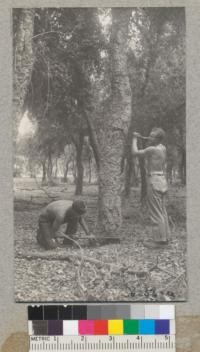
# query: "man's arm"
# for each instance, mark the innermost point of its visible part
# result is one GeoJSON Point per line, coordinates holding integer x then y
{"type": "Point", "coordinates": [135, 150]}
{"type": "Point", "coordinates": [140, 152]}
{"type": "Point", "coordinates": [84, 226]}
{"type": "Point", "coordinates": [56, 226]}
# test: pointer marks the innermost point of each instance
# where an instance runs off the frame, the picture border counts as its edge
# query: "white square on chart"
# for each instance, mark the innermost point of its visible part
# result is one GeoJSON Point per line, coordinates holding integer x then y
{"type": "Point", "coordinates": [70, 327]}
{"type": "Point", "coordinates": [167, 311]}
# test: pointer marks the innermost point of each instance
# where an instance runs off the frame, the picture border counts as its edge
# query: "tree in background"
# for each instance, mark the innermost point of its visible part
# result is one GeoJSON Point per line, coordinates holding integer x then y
{"type": "Point", "coordinates": [93, 77]}
{"type": "Point", "coordinates": [67, 45]}
{"type": "Point", "coordinates": [23, 57]}
{"type": "Point", "coordinates": [157, 76]}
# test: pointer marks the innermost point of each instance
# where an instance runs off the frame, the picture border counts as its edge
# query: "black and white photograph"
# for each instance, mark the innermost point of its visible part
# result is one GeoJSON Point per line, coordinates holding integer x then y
{"type": "Point", "coordinates": [99, 154]}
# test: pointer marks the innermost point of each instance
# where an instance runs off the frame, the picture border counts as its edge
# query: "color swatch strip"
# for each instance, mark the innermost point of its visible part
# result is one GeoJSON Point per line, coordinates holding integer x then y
{"type": "Point", "coordinates": [102, 327]}
{"type": "Point", "coordinates": [102, 312]}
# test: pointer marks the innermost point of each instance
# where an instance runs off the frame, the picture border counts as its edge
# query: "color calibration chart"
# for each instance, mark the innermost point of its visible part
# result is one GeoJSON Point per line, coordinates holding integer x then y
{"type": "Point", "coordinates": [102, 327]}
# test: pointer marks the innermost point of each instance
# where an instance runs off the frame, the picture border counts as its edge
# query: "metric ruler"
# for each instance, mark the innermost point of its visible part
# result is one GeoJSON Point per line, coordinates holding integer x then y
{"type": "Point", "coordinates": [145, 343]}
{"type": "Point", "coordinates": [103, 328]}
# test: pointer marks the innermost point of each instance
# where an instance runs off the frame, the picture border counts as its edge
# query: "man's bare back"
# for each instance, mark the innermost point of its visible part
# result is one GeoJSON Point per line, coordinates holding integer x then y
{"type": "Point", "coordinates": [57, 213]}
{"type": "Point", "coordinates": [155, 158]}
{"type": "Point", "coordinates": [57, 209]}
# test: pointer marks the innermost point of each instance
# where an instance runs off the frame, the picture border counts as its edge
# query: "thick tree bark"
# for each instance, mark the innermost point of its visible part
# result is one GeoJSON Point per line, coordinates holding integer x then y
{"type": "Point", "coordinates": [116, 120]}
{"type": "Point", "coordinates": [79, 166]}
{"type": "Point", "coordinates": [23, 59]}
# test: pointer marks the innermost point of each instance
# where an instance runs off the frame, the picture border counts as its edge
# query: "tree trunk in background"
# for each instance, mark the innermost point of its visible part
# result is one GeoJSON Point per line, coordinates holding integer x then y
{"type": "Point", "coordinates": [135, 174]}
{"type": "Point", "coordinates": [74, 171]}
{"type": "Point", "coordinates": [183, 167]}
{"type": "Point", "coordinates": [143, 181]}
{"type": "Point", "coordinates": [137, 101]}
{"type": "Point", "coordinates": [23, 60]}
{"type": "Point", "coordinates": [143, 187]}
{"type": "Point", "coordinates": [56, 168]}
{"type": "Point", "coordinates": [116, 120]}
{"type": "Point", "coordinates": [49, 167]}
{"type": "Point", "coordinates": [66, 171]}
{"type": "Point", "coordinates": [129, 170]}
{"type": "Point", "coordinates": [93, 139]}
{"type": "Point", "coordinates": [128, 161]}
{"type": "Point", "coordinates": [79, 166]}
{"type": "Point", "coordinates": [44, 172]}
{"type": "Point", "coordinates": [89, 170]}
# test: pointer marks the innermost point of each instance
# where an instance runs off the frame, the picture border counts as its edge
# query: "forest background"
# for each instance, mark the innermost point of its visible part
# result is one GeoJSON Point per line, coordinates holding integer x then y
{"type": "Point", "coordinates": [84, 81]}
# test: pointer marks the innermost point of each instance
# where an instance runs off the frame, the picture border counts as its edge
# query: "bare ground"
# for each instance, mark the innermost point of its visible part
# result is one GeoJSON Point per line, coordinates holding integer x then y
{"type": "Point", "coordinates": [116, 272]}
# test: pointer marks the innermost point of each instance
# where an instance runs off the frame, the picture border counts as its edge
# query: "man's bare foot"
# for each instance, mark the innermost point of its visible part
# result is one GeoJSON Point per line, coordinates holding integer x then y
{"type": "Point", "coordinates": [67, 242]}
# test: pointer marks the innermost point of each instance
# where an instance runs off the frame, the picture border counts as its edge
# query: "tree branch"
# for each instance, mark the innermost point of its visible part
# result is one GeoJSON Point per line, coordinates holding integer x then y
{"type": "Point", "coordinates": [43, 33]}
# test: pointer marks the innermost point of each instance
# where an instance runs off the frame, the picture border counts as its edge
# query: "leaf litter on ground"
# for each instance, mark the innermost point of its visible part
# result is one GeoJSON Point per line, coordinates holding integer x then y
{"type": "Point", "coordinates": [119, 272]}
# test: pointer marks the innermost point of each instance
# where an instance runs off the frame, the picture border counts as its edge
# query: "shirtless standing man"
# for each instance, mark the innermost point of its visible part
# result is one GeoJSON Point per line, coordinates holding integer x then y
{"type": "Point", "coordinates": [155, 160]}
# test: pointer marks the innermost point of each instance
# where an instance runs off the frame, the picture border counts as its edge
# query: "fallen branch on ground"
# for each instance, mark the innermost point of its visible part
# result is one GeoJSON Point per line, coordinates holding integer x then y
{"type": "Point", "coordinates": [78, 274]}
{"type": "Point", "coordinates": [71, 257]}
{"type": "Point", "coordinates": [68, 256]}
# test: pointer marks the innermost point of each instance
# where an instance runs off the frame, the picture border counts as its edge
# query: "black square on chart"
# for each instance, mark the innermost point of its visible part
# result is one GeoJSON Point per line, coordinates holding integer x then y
{"type": "Point", "coordinates": [35, 312]}
{"type": "Point", "coordinates": [51, 312]}
{"type": "Point", "coordinates": [79, 312]}
{"type": "Point", "coordinates": [65, 313]}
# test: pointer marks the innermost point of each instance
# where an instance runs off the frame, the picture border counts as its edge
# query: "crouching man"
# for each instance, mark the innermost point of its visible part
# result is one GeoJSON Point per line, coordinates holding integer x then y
{"type": "Point", "coordinates": [56, 214]}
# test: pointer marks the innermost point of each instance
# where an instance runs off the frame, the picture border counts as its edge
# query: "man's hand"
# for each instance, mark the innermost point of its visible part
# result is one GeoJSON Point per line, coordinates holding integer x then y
{"type": "Point", "coordinates": [84, 226]}
{"type": "Point", "coordinates": [92, 241]}
{"type": "Point", "coordinates": [52, 243]}
{"type": "Point", "coordinates": [136, 135]}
